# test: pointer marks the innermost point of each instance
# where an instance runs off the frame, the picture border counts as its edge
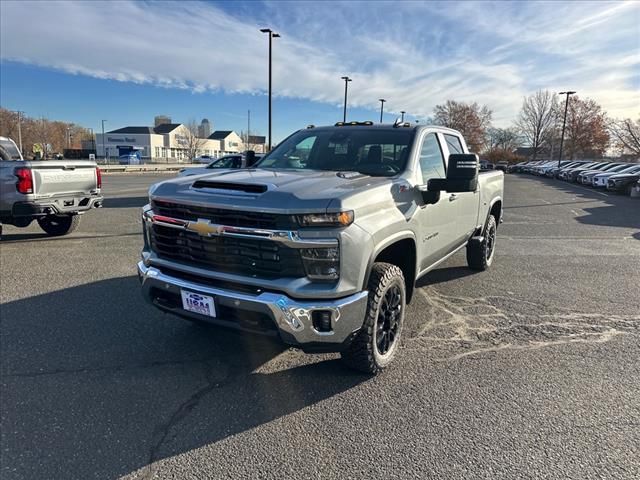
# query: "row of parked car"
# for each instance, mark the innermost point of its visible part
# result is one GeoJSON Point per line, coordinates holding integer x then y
{"type": "Point", "coordinates": [618, 177]}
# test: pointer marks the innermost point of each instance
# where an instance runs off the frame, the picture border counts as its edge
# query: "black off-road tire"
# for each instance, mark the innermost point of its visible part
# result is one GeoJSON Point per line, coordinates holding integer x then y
{"type": "Point", "coordinates": [364, 353]}
{"type": "Point", "coordinates": [57, 225]}
{"type": "Point", "coordinates": [480, 255]}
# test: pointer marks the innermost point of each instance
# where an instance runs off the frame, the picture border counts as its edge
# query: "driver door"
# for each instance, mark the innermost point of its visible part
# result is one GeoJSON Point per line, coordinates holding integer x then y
{"type": "Point", "coordinates": [437, 232]}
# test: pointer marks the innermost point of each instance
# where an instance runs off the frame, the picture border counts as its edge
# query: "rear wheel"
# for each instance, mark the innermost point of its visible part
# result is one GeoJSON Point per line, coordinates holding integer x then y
{"type": "Point", "coordinates": [480, 255]}
{"type": "Point", "coordinates": [377, 342]}
{"type": "Point", "coordinates": [57, 225]}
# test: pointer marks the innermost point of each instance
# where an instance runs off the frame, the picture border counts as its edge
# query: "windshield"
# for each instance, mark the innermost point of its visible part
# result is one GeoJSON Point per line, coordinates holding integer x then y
{"type": "Point", "coordinates": [370, 151]}
{"type": "Point", "coordinates": [10, 149]}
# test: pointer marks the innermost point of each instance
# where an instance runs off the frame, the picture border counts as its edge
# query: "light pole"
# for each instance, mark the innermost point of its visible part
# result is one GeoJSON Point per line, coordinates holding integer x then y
{"type": "Point", "coordinates": [20, 130]}
{"type": "Point", "coordinates": [402, 118]}
{"type": "Point", "coordinates": [272, 35]}
{"type": "Point", "coordinates": [346, 83]}
{"type": "Point", "coordinates": [93, 139]}
{"type": "Point", "coordinates": [382, 100]}
{"type": "Point", "coordinates": [104, 152]}
{"type": "Point", "coordinates": [564, 122]}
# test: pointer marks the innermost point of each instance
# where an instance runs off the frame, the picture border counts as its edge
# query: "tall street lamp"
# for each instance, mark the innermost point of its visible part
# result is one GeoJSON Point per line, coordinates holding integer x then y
{"type": "Point", "coordinates": [382, 100]}
{"type": "Point", "coordinates": [272, 35]}
{"type": "Point", "coordinates": [402, 119]}
{"type": "Point", "coordinates": [564, 122]}
{"type": "Point", "coordinates": [346, 83]}
{"type": "Point", "coordinates": [20, 129]}
{"type": "Point", "coordinates": [104, 152]}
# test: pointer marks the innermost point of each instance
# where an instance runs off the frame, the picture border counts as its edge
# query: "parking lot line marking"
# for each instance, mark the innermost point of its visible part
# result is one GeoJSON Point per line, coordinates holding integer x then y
{"type": "Point", "coordinates": [591, 190]}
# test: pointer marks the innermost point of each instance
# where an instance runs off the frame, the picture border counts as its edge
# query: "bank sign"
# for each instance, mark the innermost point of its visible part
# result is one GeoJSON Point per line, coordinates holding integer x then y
{"type": "Point", "coordinates": [125, 139]}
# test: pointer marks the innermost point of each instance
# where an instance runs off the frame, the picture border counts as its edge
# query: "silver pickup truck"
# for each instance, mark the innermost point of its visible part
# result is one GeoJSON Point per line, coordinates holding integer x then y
{"type": "Point", "coordinates": [52, 192]}
{"type": "Point", "coordinates": [320, 245]}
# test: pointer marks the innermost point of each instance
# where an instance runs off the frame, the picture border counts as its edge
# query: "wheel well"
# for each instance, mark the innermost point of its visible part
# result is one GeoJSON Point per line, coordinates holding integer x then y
{"type": "Point", "coordinates": [402, 254]}
{"type": "Point", "coordinates": [496, 211]}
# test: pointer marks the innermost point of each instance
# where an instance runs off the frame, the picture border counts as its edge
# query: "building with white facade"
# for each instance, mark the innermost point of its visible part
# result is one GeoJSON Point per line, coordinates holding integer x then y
{"type": "Point", "coordinates": [167, 141]}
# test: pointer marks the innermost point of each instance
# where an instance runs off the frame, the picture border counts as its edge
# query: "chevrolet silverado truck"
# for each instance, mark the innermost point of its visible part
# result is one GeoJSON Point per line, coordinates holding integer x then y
{"type": "Point", "coordinates": [321, 243]}
{"type": "Point", "coordinates": [53, 192]}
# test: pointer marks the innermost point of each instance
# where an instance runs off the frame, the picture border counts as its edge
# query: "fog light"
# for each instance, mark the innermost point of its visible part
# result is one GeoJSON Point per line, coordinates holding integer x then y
{"type": "Point", "coordinates": [321, 264]}
{"type": "Point", "coordinates": [321, 320]}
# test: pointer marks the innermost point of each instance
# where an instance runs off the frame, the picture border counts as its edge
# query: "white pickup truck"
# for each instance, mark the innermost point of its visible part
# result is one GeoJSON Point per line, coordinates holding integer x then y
{"type": "Point", "coordinates": [53, 192]}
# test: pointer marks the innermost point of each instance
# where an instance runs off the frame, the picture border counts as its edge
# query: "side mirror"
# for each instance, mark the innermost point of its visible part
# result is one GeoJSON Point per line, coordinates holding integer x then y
{"type": "Point", "coordinates": [462, 175]}
{"type": "Point", "coordinates": [462, 172]}
{"type": "Point", "coordinates": [429, 196]}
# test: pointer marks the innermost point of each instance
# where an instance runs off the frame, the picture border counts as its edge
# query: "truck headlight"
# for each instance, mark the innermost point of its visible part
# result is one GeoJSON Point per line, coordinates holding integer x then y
{"type": "Point", "coordinates": [338, 219]}
{"type": "Point", "coordinates": [321, 264]}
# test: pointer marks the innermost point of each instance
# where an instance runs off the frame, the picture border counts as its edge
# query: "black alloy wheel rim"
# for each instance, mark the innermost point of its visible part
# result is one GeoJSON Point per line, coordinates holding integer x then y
{"type": "Point", "coordinates": [388, 322]}
{"type": "Point", "coordinates": [491, 242]}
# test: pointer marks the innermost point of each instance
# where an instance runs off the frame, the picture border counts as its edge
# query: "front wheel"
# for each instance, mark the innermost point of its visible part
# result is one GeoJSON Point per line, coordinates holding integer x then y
{"type": "Point", "coordinates": [480, 255]}
{"type": "Point", "coordinates": [376, 344]}
{"type": "Point", "coordinates": [57, 225]}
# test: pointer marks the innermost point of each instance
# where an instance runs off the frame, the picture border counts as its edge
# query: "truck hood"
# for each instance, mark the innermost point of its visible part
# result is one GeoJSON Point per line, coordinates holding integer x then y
{"type": "Point", "coordinates": [265, 190]}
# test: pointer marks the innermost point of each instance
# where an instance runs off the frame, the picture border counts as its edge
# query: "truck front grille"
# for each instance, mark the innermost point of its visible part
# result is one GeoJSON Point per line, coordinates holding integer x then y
{"type": "Point", "coordinates": [227, 217]}
{"type": "Point", "coordinates": [257, 258]}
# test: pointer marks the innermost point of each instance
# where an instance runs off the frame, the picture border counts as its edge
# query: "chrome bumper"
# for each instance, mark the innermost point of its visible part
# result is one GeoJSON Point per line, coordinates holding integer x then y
{"type": "Point", "coordinates": [292, 318]}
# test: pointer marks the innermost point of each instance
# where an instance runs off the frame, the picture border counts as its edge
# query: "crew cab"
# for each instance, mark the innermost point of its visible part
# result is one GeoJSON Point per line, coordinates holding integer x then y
{"type": "Point", "coordinates": [320, 244]}
{"type": "Point", "coordinates": [53, 192]}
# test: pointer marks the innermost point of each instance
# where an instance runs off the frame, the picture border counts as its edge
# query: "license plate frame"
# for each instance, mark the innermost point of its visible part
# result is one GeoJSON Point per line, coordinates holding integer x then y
{"type": "Point", "coordinates": [198, 303]}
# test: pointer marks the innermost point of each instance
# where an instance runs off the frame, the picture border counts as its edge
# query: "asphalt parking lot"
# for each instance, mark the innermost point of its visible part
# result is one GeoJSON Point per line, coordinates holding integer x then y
{"type": "Point", "coordinates": [528, 370]}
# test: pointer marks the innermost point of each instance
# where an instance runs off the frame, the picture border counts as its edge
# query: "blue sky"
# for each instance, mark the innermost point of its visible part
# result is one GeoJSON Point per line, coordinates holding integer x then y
{"type": "Point", "coordinates": [127, 61]}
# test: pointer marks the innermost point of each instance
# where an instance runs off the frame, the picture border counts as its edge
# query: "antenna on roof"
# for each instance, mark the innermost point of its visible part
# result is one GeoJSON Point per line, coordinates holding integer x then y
{"type": "Point", "coordinates": [400, 123]}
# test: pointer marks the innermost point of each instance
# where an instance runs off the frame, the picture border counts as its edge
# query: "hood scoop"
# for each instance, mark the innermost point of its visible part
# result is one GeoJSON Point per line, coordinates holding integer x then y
{"type": "Point", "coordinates": [350, 175]}
{"type": "Point", "coordinates": [227, 187]}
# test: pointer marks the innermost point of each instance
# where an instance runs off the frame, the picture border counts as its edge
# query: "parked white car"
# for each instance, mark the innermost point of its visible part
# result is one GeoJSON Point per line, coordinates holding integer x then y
{"type": "Point", "coordinates": [600, 180]}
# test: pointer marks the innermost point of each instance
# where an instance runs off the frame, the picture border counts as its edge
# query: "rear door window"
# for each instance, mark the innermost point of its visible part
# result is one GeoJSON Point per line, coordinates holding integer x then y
{"type": "Point", "coordinates": [454, 143]}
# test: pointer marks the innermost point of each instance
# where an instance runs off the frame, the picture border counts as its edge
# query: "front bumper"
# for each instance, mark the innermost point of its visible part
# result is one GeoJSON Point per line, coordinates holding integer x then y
{"type": "Point", "coordinates": [267, 313]}
{"type": "Point", "coordinates": [56, 206]}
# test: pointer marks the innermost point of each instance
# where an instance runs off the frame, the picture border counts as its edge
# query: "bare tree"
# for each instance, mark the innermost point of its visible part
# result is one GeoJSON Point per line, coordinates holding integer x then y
{"type": "Point", "coordinates": [501, 144]}
{"type": "Point", "coordinates": [586, 135]}
{"type": "Point", "coordinates": [626, 135]}
{"type": "Point", "coordinates": [470, 119]}
{"type": "Point", "coordinates": [192, 143]}
{"type": "Point", "coordinates": [537, 119]}
{"type": "Point", "coordinates": [43, 134]}
{"type": "Point", "coordinates": [502, 139]}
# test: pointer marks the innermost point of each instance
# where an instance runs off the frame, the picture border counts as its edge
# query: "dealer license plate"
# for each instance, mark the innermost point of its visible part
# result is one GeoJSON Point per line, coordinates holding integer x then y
{"type": "Point", "coordinates": [194, 302]}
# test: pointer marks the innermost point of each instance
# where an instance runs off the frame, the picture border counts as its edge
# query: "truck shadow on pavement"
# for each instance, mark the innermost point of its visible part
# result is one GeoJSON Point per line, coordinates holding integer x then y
{"type": "Point", "coordinates": [125, 202]}
{"type": "Point", "coordinates": [619, 211]}
{"type": "Point", "coordinates": [98, 383]}
{"type": "Point", "coordinates": [444, 274]}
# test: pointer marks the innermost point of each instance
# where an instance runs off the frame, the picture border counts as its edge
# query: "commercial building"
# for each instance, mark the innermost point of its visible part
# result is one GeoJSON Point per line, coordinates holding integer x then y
{"type": "Point", "coordinates": [167, 141]}
{"type": "Point", "coordinates": [204, 129]}
{"type": "Point", "coordinates": [161, 120]}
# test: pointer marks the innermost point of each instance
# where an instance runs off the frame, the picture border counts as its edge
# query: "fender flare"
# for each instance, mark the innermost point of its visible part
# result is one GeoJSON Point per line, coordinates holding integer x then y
{"type": "Point", "coordinates": [402, 235]}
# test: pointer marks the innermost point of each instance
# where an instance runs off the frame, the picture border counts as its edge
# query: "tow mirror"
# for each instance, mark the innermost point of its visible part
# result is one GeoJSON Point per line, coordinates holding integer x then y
{"type": "Point", "coordinates": [428, 196]}
{"type": "Point", "coordinates": [462, 175]}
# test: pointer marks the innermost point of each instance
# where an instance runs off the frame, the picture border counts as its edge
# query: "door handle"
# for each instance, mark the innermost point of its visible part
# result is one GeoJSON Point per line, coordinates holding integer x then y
{"type": "Point", "coordinates": [453, 197]}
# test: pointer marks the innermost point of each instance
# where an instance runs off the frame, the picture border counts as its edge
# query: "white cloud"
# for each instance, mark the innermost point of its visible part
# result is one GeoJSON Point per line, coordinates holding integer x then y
{"type": "Point", "coordinates": [415, 55]}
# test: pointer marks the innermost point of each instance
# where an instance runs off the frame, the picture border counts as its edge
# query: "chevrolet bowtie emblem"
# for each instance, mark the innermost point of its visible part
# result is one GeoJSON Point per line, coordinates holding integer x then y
{"type": "Point", "coordinates": [204, 228]}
